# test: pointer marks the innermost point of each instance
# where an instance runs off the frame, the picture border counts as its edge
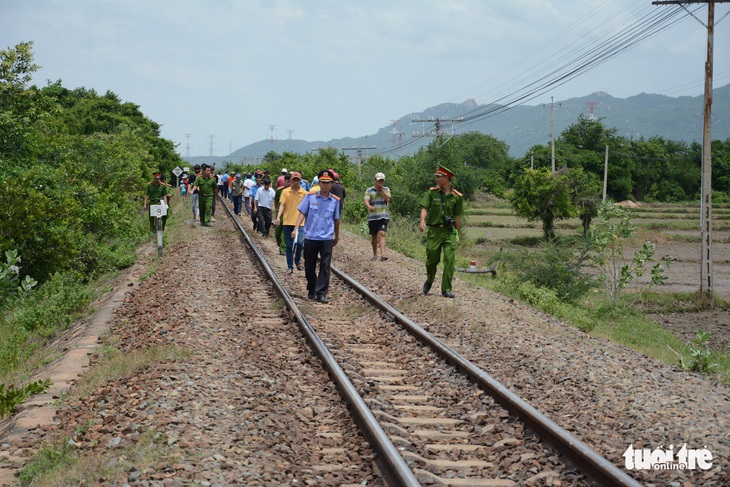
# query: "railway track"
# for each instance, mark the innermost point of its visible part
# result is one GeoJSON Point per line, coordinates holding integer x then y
{"type": "Point", "coordinates": [431, 416]}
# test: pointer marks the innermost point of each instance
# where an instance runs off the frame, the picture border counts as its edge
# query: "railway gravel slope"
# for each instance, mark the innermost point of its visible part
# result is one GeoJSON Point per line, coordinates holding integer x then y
{"type": "Point", "coordinates": [226, 413]}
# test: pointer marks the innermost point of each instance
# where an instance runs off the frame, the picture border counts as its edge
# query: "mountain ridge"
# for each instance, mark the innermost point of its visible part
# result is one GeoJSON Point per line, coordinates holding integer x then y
{"type": "Point", "coordinates": [523, 126]}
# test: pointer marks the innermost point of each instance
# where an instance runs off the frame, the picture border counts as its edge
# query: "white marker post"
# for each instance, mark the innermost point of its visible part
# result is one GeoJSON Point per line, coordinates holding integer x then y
{"type": "Point", "coordinates": [158, 211]}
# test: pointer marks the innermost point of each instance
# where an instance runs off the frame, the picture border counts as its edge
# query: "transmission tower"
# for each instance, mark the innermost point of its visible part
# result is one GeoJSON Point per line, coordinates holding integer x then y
{"type": "Point", "coordinates": [211, 144]}
{"type": "Point", "coordinates": [187, 146]}
{"type": "Point", "coordinates": [271, 137]}
{"type": "Point", "coordinates": [591, 106]}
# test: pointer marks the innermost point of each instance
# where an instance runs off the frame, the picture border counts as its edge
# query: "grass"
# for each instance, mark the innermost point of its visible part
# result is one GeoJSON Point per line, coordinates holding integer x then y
{"type": "Point", "coordinates": [115, 365]}
{"type": "Point", "coordinates": [58, 464]}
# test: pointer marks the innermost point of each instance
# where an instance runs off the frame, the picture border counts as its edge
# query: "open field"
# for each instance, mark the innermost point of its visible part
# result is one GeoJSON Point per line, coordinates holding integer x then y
{"type": "Point", "coordinates": [674, 229]}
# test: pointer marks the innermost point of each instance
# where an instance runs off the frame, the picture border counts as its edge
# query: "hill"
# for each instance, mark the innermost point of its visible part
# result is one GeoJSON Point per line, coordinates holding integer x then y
{"type": "Point", "coordinates": [644, 115]}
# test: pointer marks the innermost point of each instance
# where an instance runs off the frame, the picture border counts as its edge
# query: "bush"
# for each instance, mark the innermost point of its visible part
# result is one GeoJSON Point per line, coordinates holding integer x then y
{"type": "Point", "coordinates": [11, 397]}
{"type": "Point", "coordinates": [12, 288]}
{"type": "Point", "coordinates": [555, 265]}
{"type": "Point", "coordinates": [54, 306]}
{"type": "Point", "coordinates": [541, 298]}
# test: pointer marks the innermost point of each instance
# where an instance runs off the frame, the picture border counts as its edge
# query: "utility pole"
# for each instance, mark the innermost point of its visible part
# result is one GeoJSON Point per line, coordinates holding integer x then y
{"type": "Point", "coordinates": [437, 126]}
{"type": "Point", "coordinates": [211, 144]}
{"type": "Point", "coordinates": [552, 131]}
{"type": "Point", "coordinates": [359, 156]}
{"type": "Point", "coordinates": [706, 286]}
{"type": "Point", "coordinates": [605, 174]}
{"type": "Point", "coordinates": [289, 132]}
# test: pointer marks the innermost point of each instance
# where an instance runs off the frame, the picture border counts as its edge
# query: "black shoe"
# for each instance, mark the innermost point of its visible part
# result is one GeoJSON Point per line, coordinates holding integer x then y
{"type": "Point", "coordinates": [448, 294]}
{"type": "Point", "coordinates": [426, 287]}
{"type": "Point", "coordinates": [299, 267]}
{"type": "Point", "coordinates": [291, 271]}
{"type": "Point", "coordinates": [323, 299]}
{"type": "Point", "coordinates": [312, 296]}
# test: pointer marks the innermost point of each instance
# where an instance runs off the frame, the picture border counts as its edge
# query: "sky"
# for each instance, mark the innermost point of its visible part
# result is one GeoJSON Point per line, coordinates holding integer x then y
{"type": "Point", "coordinates": [218, 74]}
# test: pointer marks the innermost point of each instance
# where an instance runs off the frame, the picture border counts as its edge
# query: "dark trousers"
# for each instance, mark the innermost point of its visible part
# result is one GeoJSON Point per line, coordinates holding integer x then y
{"type": "Point", "coordinates": [237, 200]}
{"type": "Point", "coordinates": [255, 220]}
{"type": "Point", "coordinates": [318, 284]}
{"type": "Point", "coordinates": [264, 220]}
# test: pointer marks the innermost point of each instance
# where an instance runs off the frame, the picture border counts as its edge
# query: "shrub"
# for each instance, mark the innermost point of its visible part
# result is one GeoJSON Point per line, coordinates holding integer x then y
{"type": "Point", "coordinates": [11, 397]}
{"type": "Point", "coordinates": [12, 288]}
{"type": "Point", "coordinates": [539, 297]}
{"type": "Point", "coordinates": [555, 265]}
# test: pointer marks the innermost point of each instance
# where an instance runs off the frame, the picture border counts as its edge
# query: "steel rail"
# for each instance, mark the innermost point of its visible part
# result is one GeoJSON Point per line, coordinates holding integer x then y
{"type": "Point", "coordinates": [393, 467]}
{"type": "Point", "coordinates": [588, 461]}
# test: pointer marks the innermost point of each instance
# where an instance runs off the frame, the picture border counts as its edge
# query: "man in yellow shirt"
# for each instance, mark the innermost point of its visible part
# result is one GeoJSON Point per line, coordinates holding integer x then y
{"type": "Point", "coordinates": [288, 203]}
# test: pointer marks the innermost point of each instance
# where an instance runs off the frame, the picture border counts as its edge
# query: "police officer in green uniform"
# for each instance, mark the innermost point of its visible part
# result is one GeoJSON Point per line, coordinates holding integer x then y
{"type": "Point", "coordinates": [155, 192]}
{"type": "Point", "coordinates": [441, 210]}
{"type": "Point", "coordinates": [207, 186]}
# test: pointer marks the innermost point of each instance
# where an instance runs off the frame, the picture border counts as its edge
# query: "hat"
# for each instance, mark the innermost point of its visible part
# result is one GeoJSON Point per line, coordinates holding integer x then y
{"type": "Point", "coordinates": [238, 176]}
{"type": "Point", "coordinates": [258, 171]}
{"type": "Point", "coordinates": [379, 176]}
{"type": "Point", "coordinates": [444, 171]}
{"type": "Point", "coordinates": [283, 170]}
{"type": "Point", "coordinates": [156, 174]}
{"type": "Point", "coordinates": [335, 176]}
{"type": "Point", "coordinates": [326, 175]}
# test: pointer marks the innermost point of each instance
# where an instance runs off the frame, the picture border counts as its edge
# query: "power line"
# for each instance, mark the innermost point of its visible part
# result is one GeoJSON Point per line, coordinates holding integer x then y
{"type": "Point", "coordinates": [575, 62]}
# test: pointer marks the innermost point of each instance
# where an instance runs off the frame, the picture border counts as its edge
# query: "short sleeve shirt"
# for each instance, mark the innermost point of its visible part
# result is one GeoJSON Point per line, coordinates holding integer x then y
{"type": "Point", "coordinates": [290, 202]}
{"type": "Point", "coordinates": [206, 186]}
{"type": "Point", "coordinates": [264, 197]}
{"type": "Point", "coordinates": [155, 193]}
{"type": "Point", "coordinates": [377, 200]}
{"type": "Point", "coordinates": [453, 205]}
{"type": "Point", "coordinates": [321, 214]}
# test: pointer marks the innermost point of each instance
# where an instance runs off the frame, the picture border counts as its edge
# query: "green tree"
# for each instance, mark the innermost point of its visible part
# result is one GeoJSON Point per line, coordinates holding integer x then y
{"type": "Point", "coordinates": [19, 106]}
{"type": "Point", "coordinates": [540, 195]}
{"type": "Point", "coordinates": [586, 195]}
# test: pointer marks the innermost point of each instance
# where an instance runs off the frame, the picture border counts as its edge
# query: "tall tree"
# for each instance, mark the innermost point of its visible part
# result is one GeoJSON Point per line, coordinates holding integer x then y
{"type": "Point", "coordinates": [541, 195]}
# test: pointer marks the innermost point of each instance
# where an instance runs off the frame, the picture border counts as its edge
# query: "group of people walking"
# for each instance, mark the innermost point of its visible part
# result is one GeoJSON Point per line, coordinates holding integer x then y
{"type": "Point", "coordinates": [307, 221]}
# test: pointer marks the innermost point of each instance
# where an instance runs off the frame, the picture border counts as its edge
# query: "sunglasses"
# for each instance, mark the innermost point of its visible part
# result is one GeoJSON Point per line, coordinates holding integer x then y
{"type": "Point", "coordinates": [295, 179]}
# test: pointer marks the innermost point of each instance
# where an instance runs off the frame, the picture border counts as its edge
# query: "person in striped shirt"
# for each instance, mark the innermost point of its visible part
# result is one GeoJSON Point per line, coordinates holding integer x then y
{"type": "Point", "coordinates": [377, 199]}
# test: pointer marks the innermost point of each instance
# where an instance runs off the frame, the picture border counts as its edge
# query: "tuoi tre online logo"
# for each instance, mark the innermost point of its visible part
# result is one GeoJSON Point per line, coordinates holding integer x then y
{"type": "Point", "coordinates": [667, 459]}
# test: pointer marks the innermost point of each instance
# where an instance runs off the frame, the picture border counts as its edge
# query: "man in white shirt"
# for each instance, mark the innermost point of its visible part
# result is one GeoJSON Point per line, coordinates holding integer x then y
{"type": "Point", "coordinates": [248, 183]}
{"type": "Point", "coordinates": [264, 205]}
